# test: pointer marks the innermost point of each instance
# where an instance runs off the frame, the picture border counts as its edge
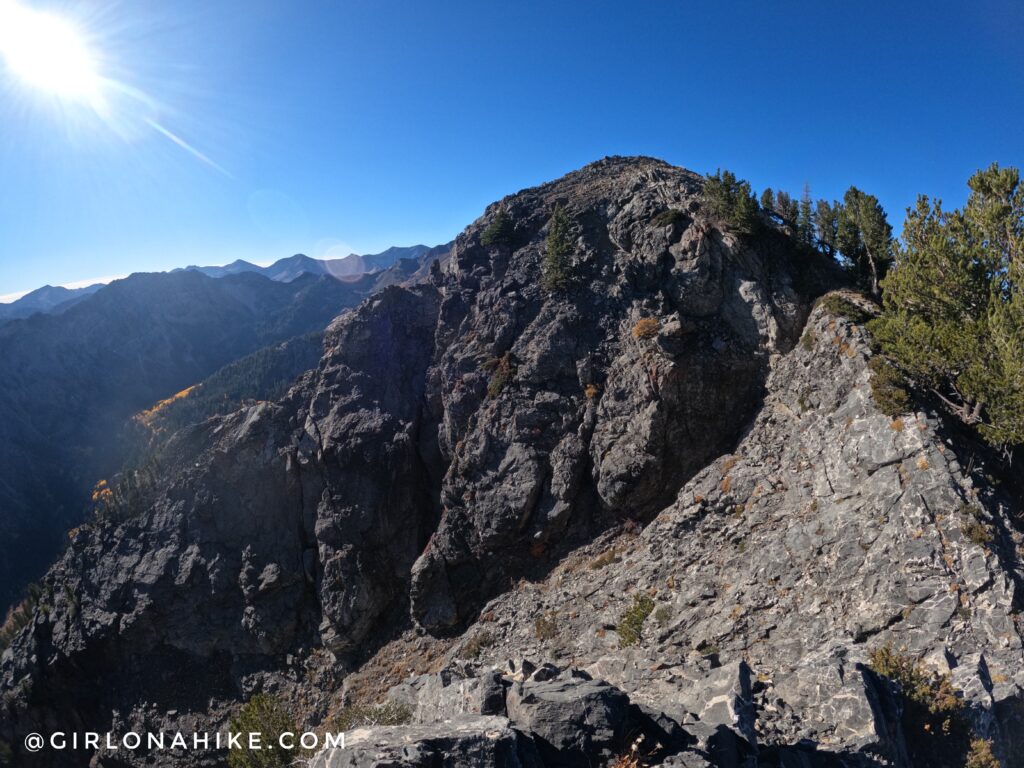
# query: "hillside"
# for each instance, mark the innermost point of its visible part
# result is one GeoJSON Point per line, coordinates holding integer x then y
{"type": "Point", "coordinates": [609, 486]}
{"type": "Point", "coordinates": [72, 380]}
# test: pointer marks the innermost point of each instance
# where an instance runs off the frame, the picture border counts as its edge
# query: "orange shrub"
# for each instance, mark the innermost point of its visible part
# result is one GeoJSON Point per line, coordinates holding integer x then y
{"type": "Point", "coordinates": [646, 328]}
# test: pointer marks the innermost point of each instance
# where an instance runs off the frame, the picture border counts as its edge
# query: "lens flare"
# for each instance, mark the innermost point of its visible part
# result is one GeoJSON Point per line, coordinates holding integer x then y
{"type": "Point", "coordinates": [47, 52]}
{"type": "Point", "coordinates": [51, 55]}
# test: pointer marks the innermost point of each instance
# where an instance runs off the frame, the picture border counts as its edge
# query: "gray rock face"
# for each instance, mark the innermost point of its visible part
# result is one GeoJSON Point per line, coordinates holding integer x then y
{"type": "Point", "coordinates": [573, 721]}
{"type": "Point", "coordinates": [451, 692]}
{"type": "Point", "coordinates": [619, 389]}
{"type": "Point", "coordinates": [570, 718]}
{"type": "Point", "coordinates": [487, 742]}
{"type": "Point", "coordinates": [830, 531]}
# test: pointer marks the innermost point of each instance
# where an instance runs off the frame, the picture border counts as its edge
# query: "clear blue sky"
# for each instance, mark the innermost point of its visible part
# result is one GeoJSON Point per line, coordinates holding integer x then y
{"type": "Point", "coordinates": [358, 124]}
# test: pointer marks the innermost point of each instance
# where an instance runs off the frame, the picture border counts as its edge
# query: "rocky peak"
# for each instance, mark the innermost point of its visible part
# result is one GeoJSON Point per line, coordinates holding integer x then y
{"type": "Point", "coordinates": [829, 532]}
{"type": "Point", "coordinates": [559, 412]}
{"type": "Point", "coordinates": [457, 435]}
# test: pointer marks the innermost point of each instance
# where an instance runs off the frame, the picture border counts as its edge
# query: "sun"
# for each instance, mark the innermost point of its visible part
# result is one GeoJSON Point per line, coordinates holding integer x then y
{"type": "Point", "coordinates": [47, 52]}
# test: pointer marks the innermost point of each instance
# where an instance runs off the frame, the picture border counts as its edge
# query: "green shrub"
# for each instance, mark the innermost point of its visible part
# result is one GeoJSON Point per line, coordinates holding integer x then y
{"type": "Point", "coordinates": [980, 755]}
{"type": "Point", "coordinates": [546, 627]}
{"type": "Point", "coordinates": [632, 621]}
{"type": "Point", "coordinates": [668, 217]}
{"type": "Point", "coordinates": [888, 387]}
{"type": "Point", "coordinates": [840, 306]}
{"type": "Point", "coordinates": [363, 715]}
{"type": "Point", "coordinates": [476, 644]}
{"type": "Point", "coordinates": [973, 525]}
{"type": "Point", "coordinates": [663, 616]}
{"type": "Point", "coordinates": [499, 231]}
{"type": "Point", "coordinates": [557, 250]}
{"type": "Point", "coordinates": [934, 720]}
{"type": "Point", "coordinates": [502, 372]}
{"type": "Point", "coordinates": [706, 648]}
{"type": "Point", "coordinates": [977, 532]}
{"type": "Point", "coordinates": [266, 715]}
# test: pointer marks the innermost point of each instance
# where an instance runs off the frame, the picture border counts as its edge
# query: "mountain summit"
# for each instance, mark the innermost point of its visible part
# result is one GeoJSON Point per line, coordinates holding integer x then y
{"type": "Point", "coordinates": [348, 267]}
{"type": "Point", "coordinates": [609, 485]}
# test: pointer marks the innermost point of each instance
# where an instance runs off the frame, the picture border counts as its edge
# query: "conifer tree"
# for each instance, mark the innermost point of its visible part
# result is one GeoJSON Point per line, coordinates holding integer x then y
{"type": "Point", "coordinates": [557, 250]}
{"type": "Point", "coordinates": [787, 209]}
{"type": "Point", "coordinates": [732, 200]}
{"type": "Point", "coordinates": [826, 226]}
{"type": "Point", "coordinates": [499, 231]}
{"type": "Point", "coordinates": [953, 311]}
{"type": "Point", "coordinates": [804, 223]}
{"type": "Point", "coordinates": [768, 201]}
{"type": "Point", "coordinates": [864, 238]}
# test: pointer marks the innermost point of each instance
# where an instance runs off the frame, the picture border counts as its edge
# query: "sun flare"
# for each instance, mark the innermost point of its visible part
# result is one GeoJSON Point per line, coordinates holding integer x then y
{"type": "Point", "coordinates": [47, 52]}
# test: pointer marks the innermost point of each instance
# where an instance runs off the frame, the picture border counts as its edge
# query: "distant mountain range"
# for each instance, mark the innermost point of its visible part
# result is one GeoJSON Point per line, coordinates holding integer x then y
{"type": "Point", "coordinates": [55, 299]}
{"type": "Point", "coordinates": [353, 265]}
{"type": "Point", "coordinates": [48, 299]}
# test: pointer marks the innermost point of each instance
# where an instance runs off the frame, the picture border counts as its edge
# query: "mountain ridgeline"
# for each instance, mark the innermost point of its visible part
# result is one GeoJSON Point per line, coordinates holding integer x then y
{"type": "Point", "coordinates": [610, 487]}
{"type": "Point", "coordinates": [47, 299]}
{"type": "Point", "coordinates": [347, 267]}
{"type": "Point", "coordinates": [395, 260]}
{"type": "Point", "coordinates": [72, 381]}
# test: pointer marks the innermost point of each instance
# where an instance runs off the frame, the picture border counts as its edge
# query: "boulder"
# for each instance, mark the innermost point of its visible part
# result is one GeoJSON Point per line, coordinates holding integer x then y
{"type": "Point", "coordinates": [461, 742]}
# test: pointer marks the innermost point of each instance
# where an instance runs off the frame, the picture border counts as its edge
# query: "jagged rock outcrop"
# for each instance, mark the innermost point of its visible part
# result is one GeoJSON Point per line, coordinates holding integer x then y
{"type": "Point", "coordinates": [558, 412]}
{"type": "Point", "coordinates": [476, 451]}
{"type": "Point", "coordinates": [570, 718]}
{"type": "Point", "coordinates": [485, 742]}
{"type": "Point", "coordinates": [831, 530]}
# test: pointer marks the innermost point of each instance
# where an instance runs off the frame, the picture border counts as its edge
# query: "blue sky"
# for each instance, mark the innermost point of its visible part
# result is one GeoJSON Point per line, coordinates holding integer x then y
{"type": "Point", "coordinates": [358, 124]}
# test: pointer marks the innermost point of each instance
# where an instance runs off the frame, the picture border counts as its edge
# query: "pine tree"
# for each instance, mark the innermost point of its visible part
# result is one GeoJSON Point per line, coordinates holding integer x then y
{"type": "Point", "coordinates": [864, 238]}
{"type": "Point", "coordinates": [768, 200]}
{"type": "Point", "coordinates": [787, 209]}
{"type": "Point", "coordinates": [1005, 423]}
{"type": "Point", "coordinates": [995, 216]}
{"type": "Point", "coordinates": [731, 200]}
{"type": "Point", "coordinates": [745, 217]}
{"type": "Point", "coordinates": [826, 226]}
{"type": "Point", "coordinates": [557, 250]}
{"type": "Point", "coordinates": [499, 231]}
{"type": "Point", "coordinates": [953, 311]}
{"type": "Point", "coordinates": [804, 223]}
{"type": "Point", "coordinates": [936, 310]}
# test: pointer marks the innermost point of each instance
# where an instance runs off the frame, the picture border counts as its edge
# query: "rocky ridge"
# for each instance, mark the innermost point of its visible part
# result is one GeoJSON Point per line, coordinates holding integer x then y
{"type": "Point", "coordinates": [475, 436]}
{"type": "Point", "coordinates": [831, 530]}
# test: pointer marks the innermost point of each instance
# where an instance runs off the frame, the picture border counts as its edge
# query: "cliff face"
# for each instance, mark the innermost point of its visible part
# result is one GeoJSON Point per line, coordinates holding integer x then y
{"type": "Point", "coordinates": [615, 393]}
{"type": "Point", "coordinates": [830, 531]}
{"type": "Point", "coordinates": [475, 429]}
